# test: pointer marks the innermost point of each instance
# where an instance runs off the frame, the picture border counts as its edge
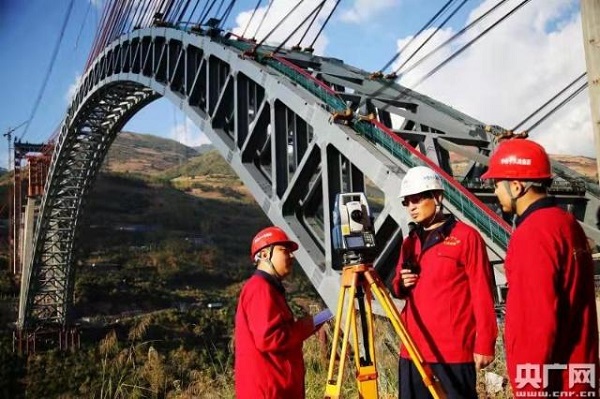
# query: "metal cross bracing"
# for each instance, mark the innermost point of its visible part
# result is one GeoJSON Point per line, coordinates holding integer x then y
{"type": "Point", "coordinates": [86, 134]}
{"type": "Point", "coordinates": [296, 128]}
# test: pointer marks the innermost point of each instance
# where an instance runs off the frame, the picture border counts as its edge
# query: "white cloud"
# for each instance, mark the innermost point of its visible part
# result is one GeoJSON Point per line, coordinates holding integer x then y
{"type": "Point", "coordinates": [363, 10]}
{"type": "Point", "coordinates": [97, 3]}
{"type": "Point", "coordinates": [514, 69]}
{"type": "Point", "coordinates": [188, 134]}
{"type": "Point", "coordinates": [278, 10]}
{"type": "Point", "coordinates": [72, 90]}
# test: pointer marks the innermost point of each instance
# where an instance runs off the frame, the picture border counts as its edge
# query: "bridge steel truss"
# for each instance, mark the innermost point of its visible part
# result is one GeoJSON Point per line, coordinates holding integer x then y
{"type": "Point", "coordinates": [276, 120]}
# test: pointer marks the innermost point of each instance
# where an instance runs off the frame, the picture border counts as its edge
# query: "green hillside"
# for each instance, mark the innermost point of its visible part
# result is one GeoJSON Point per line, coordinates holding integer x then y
{"type": "Point", "coordinates": [145, 154]}
{"type": "Point", "coordinates": [156, 251]}
{"type": "Point", "coordinates": [151, 254]}
{"type": "Point", "coordinates": [209, 163]}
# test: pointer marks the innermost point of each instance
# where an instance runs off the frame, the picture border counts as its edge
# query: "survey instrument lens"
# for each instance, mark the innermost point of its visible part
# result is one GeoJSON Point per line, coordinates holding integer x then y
{"type": "Point", "coordinates": [357, 216]}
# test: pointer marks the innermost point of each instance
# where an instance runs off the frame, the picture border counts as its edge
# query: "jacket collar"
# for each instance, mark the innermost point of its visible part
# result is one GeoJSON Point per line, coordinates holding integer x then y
{"type": "Point", "coordinates": [545, 202]}
{"type": "Point", "coordinates": [434, 236]}
{"type": "Point", "coordinates": [271, 280]}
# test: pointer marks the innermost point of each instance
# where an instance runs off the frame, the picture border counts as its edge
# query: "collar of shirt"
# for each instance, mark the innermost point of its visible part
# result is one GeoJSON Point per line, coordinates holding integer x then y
{"type": "Point", "coordinates": [545, 202]}
{"type": "Point", "coordinates": [271, 280]}
{"type": "Point", "coordinates": [434, 236]}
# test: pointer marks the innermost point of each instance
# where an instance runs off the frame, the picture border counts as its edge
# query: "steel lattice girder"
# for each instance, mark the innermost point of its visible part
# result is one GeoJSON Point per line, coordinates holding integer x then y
{"type": "Point", "coordinates": [278, 136]}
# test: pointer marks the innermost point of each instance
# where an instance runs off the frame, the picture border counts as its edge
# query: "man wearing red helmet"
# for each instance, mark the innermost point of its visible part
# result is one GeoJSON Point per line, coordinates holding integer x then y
{"type": "Point", "coordinates": [268, 340]}
{"type": "Point", "coordinates": [551, 328]}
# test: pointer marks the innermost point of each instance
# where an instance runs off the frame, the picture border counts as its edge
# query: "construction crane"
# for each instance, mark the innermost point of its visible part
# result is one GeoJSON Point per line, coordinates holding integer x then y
{"type": "Point", "coordinates": [37, 172]}
{"type": "Point", "coordinates": [8, 135]}
{"type": "Point", "coordinates": [12, 199]}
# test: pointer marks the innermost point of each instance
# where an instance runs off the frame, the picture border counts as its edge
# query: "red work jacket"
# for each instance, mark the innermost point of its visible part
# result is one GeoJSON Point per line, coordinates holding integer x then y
{"type": "Point", "coordinates": [450, 311]}
{"type": "Point", "coordinates": [550, 307]}
{"type": "Point", "coordinates": [268, 342]}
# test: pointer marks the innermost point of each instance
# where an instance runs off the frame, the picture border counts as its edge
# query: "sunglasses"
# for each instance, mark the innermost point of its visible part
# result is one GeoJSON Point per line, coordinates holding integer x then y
{"type": "Point", "coordinates": [416, 198]}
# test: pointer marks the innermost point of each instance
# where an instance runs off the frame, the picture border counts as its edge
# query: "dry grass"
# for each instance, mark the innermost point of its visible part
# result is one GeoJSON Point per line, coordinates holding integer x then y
{"type": "Point", "coordinates": [123, 376]}
{"type": "Point", "coordinates": [387, 347]}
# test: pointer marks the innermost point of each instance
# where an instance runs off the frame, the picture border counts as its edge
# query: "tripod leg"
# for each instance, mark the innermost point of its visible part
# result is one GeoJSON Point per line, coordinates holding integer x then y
{"type": "Point", "coordinates": [333, 387]}
{"type": "Point", "coordinates": [336, 334]}
{"type": "Point", "coordinates": [366, 366]}
{"type": "Point", "coordinates": [382, 295]}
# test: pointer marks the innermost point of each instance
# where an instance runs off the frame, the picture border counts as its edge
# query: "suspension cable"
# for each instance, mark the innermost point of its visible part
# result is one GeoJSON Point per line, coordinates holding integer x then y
{"type": "Point", "coordinates": [455, 36]}
{"type": "Point", "coordinates": [172, 5]}
{"type": "Point", "coordinates": [182, 13]}
{"type": "Point", "coordinates": [314, 11]}
{"type": "Point", "coordinates": [320, 6]}
{"type": "Point", "coordinates": [404, 91]}
{"type": "Point", "coordinates": [444, 22]}
{"type": "Point", "coordinates": [120, 19]}
{"type": "Point", "coordinates": [324, 24]}
{"type": "Point", "coordinates": [423, 28]}
{"type": "Point", "coordinates": [124, 17]}
{"type": "Point", "coordinates": [263, 18]}
{"type": "Point", "coordinates": [219, 8]}
{"type": "Point", "coordinates": [548, 102]}
{"type": "Point", "coordinates": [132, 17]}
{"type": "Point", "coordinates": [87, 11]}
{"type": "Point", "coordinates": [150, 14]}
{"type": "Point", "coordinates": [202, 12]}
{"type": "Point", "coordinates": [95, 44]}
{"type": "Point", "coordinates": [110, 13]}
{"type": "Point", "coordinates": [558, 106]}
{"type": "Point", "coordinates": [226, 13]}
{"type": "Point", "coordinates": [203, 17]}
{"type": "Point", "coordinates": [38, 99]}
{"type": "Point", "coordinates": [279, 24]}
{"type": "Point", "coordinates": [470, 43]}
{"type": "Point", "coordinates": [191, 17]}
{"type": "Point", "coordinates": [251, 17]}
{"type": "Point", "coordinates": [143, 13]}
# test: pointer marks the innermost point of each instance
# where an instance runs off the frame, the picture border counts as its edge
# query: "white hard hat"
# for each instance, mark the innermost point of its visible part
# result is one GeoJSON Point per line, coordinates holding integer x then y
{"type": "Point", "coordinates": [418, 180]}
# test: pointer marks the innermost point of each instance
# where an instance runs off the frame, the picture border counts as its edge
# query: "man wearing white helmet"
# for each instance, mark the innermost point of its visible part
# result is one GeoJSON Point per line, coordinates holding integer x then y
{"type": "Point", "coordinates": [444, 274]}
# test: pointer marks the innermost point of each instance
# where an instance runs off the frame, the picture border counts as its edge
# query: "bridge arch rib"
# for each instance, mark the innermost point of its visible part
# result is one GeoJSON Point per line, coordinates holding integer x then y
{"type": "Point", "coordinates": [272, 121]}
{"type": "Point", "coordinates": [275, 135]}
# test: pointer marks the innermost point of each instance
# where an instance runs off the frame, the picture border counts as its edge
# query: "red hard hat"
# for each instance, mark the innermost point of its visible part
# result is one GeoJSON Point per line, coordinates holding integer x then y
{"type": "Point", "coordinates": [271, 236]}
{"type": "Point", "coordinates": [519, 159]}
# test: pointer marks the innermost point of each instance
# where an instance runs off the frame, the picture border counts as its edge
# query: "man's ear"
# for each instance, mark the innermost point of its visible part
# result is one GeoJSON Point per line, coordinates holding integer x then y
{"type": "Point", "coordinates": [262, 254]}
{"type": "Point", "coordinates": [518, 187]}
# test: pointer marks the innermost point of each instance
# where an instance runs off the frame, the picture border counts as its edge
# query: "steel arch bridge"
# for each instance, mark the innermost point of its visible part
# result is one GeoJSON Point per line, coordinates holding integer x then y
{"type": "Point", "coordinates": [296, 128]}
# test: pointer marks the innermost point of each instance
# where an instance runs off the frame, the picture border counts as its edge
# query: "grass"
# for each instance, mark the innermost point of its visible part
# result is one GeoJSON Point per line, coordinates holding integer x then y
{"type": "Point", "coordinates": [170, 352]}
{"type": "Point", "coordinates": [387, 348]}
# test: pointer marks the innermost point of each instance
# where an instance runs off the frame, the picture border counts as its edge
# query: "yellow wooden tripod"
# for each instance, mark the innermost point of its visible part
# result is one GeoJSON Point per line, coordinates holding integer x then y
{"type": "Point", "coordinates": [360, 282]}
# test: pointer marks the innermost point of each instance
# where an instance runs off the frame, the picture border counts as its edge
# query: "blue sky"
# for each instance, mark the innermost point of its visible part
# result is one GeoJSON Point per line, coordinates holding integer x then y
{"type": "Point", "coordinates": [500, 80]}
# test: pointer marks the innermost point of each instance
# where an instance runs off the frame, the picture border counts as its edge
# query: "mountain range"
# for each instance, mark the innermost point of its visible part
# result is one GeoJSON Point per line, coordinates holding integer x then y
{"type": "Point", "coordinates": [151, 155]}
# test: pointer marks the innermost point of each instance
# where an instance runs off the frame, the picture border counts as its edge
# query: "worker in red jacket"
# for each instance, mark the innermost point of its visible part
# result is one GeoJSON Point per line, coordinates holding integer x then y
{"type": "Point", "coordinates": [268, 340]}
{"type": "Point", "coordinates": [445, 276]}
{"type": "Point", "coordinates": [551, 328]}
